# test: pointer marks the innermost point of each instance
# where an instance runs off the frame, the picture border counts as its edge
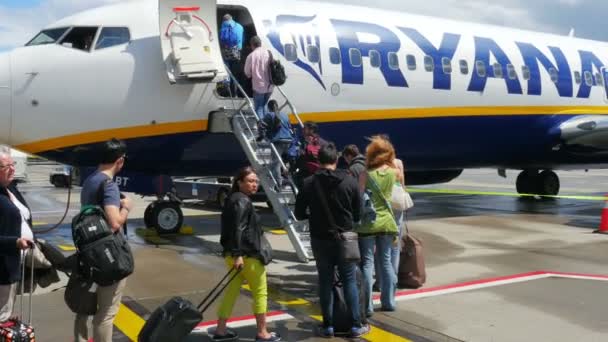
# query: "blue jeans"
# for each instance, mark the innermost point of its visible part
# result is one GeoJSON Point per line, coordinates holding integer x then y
{"type": "Point", "coordinates": [396, 249]}
{"type": "Point", "coordinates": [388, 279]}
{"type": "Point", "coordinates": [282, 147]}
{"type": "Point", "coordinates": [327, 258]}
{"type": "Point", "coordinates": [259, 102]}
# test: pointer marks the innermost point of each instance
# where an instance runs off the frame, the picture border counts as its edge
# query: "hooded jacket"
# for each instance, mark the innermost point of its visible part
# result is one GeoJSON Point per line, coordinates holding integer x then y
{"type": "Point", "coordinates": [357, 165]}
{"type": "Point", "coordinates": [10, 231]}
{"type": "Point", "coordinates": [343, 199]}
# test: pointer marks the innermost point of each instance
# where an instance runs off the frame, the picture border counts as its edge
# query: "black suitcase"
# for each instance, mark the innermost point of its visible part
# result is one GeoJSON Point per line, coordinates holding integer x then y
{"type": "Point", "coordinates": [176, 319]}
{"type": "Point", "coordinates": [341, 312]}
{"type": "Point", "coordinates": [18, 330]}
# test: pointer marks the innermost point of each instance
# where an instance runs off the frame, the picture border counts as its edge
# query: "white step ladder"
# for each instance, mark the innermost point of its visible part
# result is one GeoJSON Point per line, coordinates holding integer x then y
{"type": "Point", "coordinates": [244, 126]}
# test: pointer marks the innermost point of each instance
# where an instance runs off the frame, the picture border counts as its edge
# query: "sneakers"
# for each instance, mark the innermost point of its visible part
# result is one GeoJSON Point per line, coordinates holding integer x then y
{"type": "Point", "coordinates": [325, 332]}
{"type": "Point", "coordinates": [230, 336]}
{"type": "Point", "coordinates": [359, 331]}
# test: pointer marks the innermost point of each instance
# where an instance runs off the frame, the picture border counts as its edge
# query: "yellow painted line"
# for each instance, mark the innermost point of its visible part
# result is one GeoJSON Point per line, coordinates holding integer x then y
{"type": "Point", "coordinates": [159, 129]}
{"type": "Point", "coordinates": [278, 232]}
{"type": "Point", "coordinates": [508, 194]}
{"type": "Point", "coordinates": [313, 311]}
{"type": "Point", "coordinates": [67, 248]}
{"type": "Point", "coordinates": [39, 223]}
{"type": "Point", "coordinates": [128, 322]}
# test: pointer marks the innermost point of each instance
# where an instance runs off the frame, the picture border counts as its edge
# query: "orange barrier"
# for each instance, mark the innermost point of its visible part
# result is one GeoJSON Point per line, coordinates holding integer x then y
{"type": "Point", "coordinates": [603, 229]}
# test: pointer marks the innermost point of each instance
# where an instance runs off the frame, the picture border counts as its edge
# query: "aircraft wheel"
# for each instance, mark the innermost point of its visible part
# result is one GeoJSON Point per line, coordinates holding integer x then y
{"type": "Point", "coordinates": [148, 215]}
{"type": "Point", "coordinates": [548, 183]}
{"type": "Point", "coordinates": [526, 182]}
{"type": "Point", "coordinates": [167, 217]}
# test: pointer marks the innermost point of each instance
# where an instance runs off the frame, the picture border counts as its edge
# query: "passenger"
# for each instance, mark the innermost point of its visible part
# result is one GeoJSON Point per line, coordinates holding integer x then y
{"type": "Point", "coordinates": [279, 132]}
{"type": "Point", "coordinates": [381, 235]}
{"type": "Point", "coordinates": [113, 156]}
{"type": "Point", "coordinates": [241, 234]}
{"type": "Point", "coordinates": [15, 234]}
{"type": "Point", "coordinates": [343, 198]}
{"type": "Point", "coordinates": [231, 42]}
{"type": "Point", "coordinates": [257, 68]}
{"type": "Point", "coordinates": [354, 159]}
{"type": "Point", "coordinates": [308, 162]}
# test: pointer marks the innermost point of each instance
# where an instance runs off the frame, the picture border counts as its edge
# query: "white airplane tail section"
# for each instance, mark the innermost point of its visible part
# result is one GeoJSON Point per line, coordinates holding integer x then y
{"type": "Point", "coordinates": [189, 41]}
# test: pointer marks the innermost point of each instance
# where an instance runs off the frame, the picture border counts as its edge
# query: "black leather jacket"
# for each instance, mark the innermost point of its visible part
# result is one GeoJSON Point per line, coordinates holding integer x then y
{"type": "Point", "coordinates": [10, 231]}
{"type": "Point", "coordinates": [241, 231]}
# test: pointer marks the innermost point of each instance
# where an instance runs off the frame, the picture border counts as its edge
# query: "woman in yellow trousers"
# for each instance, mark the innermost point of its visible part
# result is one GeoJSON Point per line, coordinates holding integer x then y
{"type": "Point", "coordinates": [241, 240]}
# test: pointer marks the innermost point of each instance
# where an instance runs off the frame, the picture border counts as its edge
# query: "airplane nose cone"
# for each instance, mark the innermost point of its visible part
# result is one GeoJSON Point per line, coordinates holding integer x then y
{"type": "Point", "coordinates": [5, 98]}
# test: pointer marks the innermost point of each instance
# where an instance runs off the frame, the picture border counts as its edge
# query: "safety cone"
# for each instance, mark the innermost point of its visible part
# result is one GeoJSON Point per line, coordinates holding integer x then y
{"type": "Point", "coordinates": [604, 221]}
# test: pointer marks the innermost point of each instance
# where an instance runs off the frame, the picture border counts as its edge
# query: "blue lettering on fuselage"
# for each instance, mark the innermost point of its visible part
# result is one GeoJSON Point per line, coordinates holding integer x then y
{"type": "Point", "coordinates": [346, 32]}
{"type": "Point", "coordinates": [447, 49]}
{"type": "Point", "coordinates": [588, 61]}
{"type": "Point", "coordinates": [532, 56]}
{"type": "Point", "coordinates": [483, 48]}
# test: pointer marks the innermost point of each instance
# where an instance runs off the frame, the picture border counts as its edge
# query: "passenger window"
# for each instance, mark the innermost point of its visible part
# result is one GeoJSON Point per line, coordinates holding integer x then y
{"type": "Point", "coordinates": [446, 64]}
{"type": "Point", "coordinates": [313, 54]}
{"type": "Point", "coordinates": [511, 71]}
{"type": "Point", "coordinates": [355, 57]}
{"type": "Point", "coordinates": [525, 71]}
{"type": "Point", "coordinates": [429, 64]}
{"type": "Point", "coordinates": [112, 36]}
{"type": "Point", "coordinates": [411, 62]}
{"type": "Point", "coordinates": [577, 77]}
{"type": "Point", "coordinates": [291, 52]}
{"type": "Point", "coordinates": [334, 56]}
{"type": "Point", "coordinates": [481, 68]}
{"type": "Point", "coordinates": [464, 67]}
{"type": "Point", "coordinates": [599, 79]}
{"type": "Point", "coordinates": [393, 61]}
{"type": "Point", "coordinates": [553, 74]}
{"type": "Point", "coordinates": [47, 36]}
{"type": "Point", "coordinates": [80, 38]}
{"type": "Point", "coordinates": [588, 78]}
{"type": "Point", "coordinates": [374, 58]}
{"type": "Point", "coordinates": [497, 70]}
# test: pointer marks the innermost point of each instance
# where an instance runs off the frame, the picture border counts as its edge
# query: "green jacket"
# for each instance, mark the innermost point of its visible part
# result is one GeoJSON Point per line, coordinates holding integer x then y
{"type": "Point", "coordinates": [385, 222]}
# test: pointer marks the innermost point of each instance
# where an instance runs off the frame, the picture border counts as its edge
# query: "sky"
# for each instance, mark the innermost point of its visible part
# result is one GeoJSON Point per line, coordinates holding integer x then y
{"type": "Point", "coordinates": [21, 19]}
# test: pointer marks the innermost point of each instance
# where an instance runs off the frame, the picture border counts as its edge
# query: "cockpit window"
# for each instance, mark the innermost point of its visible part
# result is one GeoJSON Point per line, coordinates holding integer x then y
{"type": "Point", "coordinates": [80, 38]}
{"type": "Point", "coordinates": [112, 36]}
{"type": "Point", "coordinates": [49, 36]}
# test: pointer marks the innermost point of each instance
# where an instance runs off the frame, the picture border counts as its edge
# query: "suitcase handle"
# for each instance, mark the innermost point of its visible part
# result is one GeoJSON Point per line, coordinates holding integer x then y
{"type": "Point", "coordinates": [216, 295]}
{"type": "Point", "coordinates": [24, 258]}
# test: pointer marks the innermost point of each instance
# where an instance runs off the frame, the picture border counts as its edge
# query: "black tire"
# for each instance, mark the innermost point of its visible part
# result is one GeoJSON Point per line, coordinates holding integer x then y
{"type": "Point", "coordinates": [148, 215]}
{"type": "Point", "coordinates": [60, 182]}
{"type": "Point", "coordinates": [548, 183]}
{"type": "Point", "coordinates": [221, 197]}
{"type": "Point", "coordinates": [167, 218]}
{"type": "Point", "coordinates": [526, 182]}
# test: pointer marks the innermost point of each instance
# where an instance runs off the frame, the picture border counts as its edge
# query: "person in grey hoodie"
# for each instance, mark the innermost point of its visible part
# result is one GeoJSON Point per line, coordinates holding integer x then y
{"type": "Point", "coordinates": [355, 160]}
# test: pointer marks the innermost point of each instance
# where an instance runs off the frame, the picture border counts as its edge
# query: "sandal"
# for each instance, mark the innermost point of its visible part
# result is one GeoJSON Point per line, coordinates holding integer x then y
{"type": "Point", "coordinates": [229, 336]}
{"type": "Point", "coordinates": [273, 337]}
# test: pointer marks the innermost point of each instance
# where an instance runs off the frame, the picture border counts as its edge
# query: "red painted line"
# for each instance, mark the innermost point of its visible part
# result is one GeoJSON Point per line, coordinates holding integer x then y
{"type": "Point", "coordinates": [186, 9]}
{"type": "Point", "coordinates": [597, 276]}
{"type": "Point", "coordinates": [240, 319]}
{"type": "Point", "coordinates": [468, 283]}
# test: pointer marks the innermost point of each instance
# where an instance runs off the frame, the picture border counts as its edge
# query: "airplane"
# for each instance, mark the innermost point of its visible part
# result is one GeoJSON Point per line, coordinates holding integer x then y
{"type": "Point", "coordinates": [450, 95]}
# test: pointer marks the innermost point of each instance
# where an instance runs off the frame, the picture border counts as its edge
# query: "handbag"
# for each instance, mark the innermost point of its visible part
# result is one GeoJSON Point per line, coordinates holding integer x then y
{"type": "Point", "coordinates": [81, 295]}
{"type": "Point", "coordinates": [265, 250]}
{"type": "Point", "coordinates": [400, 199]}
{"type": "Point", "coordinates": [348, 241]}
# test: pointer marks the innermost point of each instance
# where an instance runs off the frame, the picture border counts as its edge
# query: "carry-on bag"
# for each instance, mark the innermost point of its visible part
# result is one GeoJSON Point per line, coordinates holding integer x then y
{"type": "Point", "coordinates": [342, 315]}
{"type": "Point", "coordinates": [17, 330]}
{"type": "Point", "coordinates": [174, 320]}
{"type": "Point", "coordinates": [412, 271]}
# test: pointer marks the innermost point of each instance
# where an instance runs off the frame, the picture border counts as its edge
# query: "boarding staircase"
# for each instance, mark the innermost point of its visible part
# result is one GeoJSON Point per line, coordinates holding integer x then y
{"type": "Point", "coordinates": [245, 122]}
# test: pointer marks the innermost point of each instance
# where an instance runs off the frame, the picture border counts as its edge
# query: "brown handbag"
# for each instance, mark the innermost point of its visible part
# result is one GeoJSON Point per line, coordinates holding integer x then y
{"type": "Point", "coordinates": [412, 271]}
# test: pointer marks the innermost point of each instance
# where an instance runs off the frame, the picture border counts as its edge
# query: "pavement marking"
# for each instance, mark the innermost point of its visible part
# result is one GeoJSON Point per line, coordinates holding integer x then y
{"type": "Point", "coordinates": [485, 283]}
{"type": "Point", "coordinates": [506, 194]}
{"type": "Point", "coordinates": [67, 248]}
{"type": "Point", "coordinates": [376, 334]}
{"type": "Point", "coordinates": [238, 322]}
{"type": "Point", "coordinates": [39, 223]}
{"type": "Point", "coordinates": [128, 322]}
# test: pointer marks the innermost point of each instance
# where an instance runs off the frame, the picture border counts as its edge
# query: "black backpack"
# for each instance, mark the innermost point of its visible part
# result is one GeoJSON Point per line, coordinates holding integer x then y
{"type": "Point", "coordinates": [277, 71]}
{"type": "Point", "coordinates": [103, 256]}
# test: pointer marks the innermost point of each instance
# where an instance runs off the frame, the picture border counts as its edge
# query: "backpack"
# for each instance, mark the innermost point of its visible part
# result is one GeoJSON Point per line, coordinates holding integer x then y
{"type": "Point", "coordinates": [277, 71]}
{"type": "Point", "coordinates": [229, 42]}
{"type": "Point", "coordinates": [103, 256]}
{"type": "Point", "coordinates": [311, 155]}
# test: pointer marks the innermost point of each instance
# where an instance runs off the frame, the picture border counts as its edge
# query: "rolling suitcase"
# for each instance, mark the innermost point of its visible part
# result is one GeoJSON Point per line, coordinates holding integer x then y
{"type": "Point", "coordinates": [17, 330]}
{"type": "Point", "coordinates": [174, 320]}
{"type": "Point", "coordinates": [342, 315]}
{"type": "Point", "coordinates": [412, 271]}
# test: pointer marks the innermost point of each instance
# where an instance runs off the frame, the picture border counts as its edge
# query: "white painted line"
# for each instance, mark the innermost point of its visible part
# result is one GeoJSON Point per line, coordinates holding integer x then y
{"type": "Point", "coordinates": [207, 328]}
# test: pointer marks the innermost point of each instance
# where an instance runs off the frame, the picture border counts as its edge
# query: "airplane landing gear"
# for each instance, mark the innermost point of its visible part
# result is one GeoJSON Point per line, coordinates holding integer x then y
{"type": "Point", "coordinates": [165, 216]}
{"type": "Point", "coordinates": [545, 183]}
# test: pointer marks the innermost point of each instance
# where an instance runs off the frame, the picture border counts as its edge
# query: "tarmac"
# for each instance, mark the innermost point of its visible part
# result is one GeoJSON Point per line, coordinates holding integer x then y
{"type": "Point", "coordinates": [499, 267]}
